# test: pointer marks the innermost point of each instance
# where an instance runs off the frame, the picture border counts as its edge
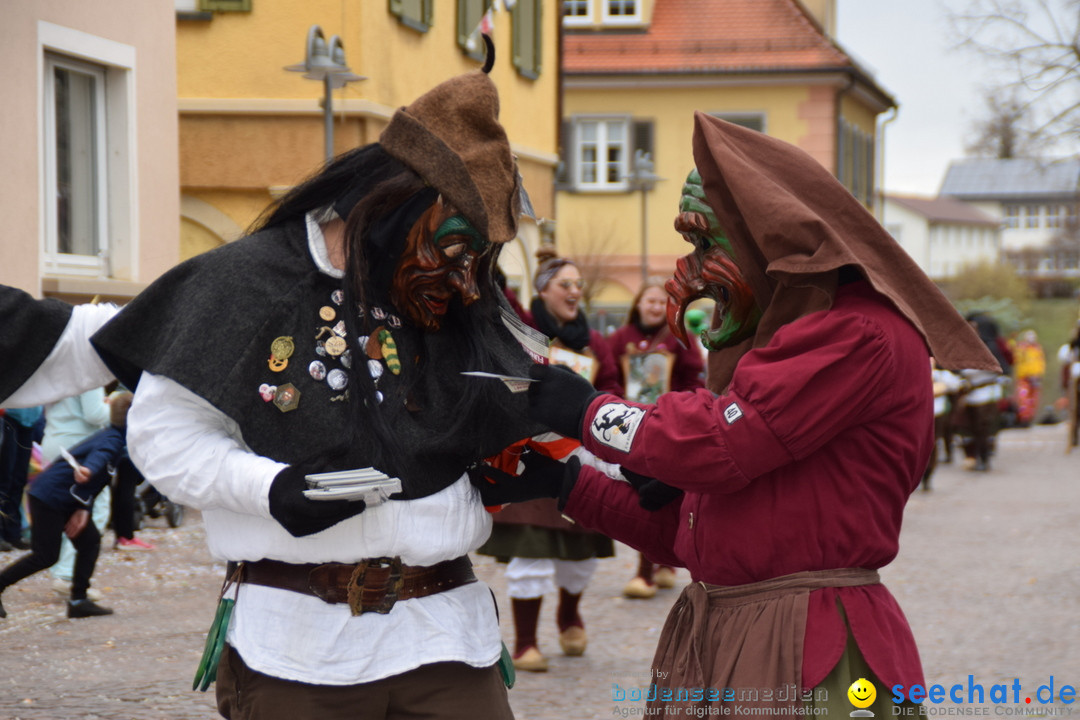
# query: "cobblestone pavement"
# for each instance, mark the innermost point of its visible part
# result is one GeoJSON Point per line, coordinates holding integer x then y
{"type": "Point", "coordinates": [987, 575]}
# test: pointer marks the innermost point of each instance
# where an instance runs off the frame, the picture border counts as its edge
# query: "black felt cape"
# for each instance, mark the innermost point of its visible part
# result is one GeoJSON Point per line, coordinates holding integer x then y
{"type": "Point", "coordinates": [29, 329]}
{"type": "Point", "coordinates": [209, 324]}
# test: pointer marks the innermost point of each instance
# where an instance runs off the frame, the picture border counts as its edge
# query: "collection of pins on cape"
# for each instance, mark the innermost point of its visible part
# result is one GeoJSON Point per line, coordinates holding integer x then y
{"type": "Point", "coordinates": [330, 343]}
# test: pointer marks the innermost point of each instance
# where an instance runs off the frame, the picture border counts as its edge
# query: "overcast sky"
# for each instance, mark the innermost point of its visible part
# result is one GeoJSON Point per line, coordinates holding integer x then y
{"type": "Point", "coordinates": [906, 46]}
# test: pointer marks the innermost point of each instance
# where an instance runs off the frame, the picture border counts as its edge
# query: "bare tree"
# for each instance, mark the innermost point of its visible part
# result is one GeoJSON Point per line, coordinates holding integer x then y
{"type": "Point", "coordinates": [1004, 132]}
{"type": "Point", "coordinates": [593, 244]}
{"type": "Point", "coordinates": [1037, 44]}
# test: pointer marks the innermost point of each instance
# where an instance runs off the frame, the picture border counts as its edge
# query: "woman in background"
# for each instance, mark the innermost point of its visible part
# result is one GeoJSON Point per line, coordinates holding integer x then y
{"type": "Point", "coordinates": [543, 550]}
{"type": "Point", "coordinates": [646, 333]}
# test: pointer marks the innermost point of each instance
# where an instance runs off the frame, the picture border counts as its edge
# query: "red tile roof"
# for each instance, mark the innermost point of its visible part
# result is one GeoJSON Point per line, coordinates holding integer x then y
{"type": "Point", "coordinates": [697, 36]}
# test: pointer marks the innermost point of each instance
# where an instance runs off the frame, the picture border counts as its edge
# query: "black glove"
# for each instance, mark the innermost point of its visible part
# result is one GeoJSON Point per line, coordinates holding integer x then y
{"type": "Point", "coordinates": [299, 515]}
{"type": "Point", "coordinates": [652, 494]}
{"type": "Point", "coordinates": [560, 399]}
{"type": "Point", "coordinates": [541, 478]}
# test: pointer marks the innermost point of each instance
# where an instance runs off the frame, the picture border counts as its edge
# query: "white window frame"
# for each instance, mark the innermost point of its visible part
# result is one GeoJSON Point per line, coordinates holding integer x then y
{"type": "Point", "coordinates": [1011, 220]}
{"type": "Point", "coordinates": [578, 20]}
{"type": "Point", "coordinates": [602, 184]}
{"type": "Point", "coordinates": [608, 19]}
{"type": "Point", "coordinates": [1053, 216]}
{"type": "Point", "coordinates": [113, 64]}
{"type": "Point", "coordinates": [80, 264]}
{"type": "Point", "coordinates": [1031, 216]}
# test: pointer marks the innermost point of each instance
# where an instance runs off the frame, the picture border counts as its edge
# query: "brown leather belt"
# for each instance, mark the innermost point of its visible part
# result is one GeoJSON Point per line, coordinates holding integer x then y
{"type": "Point", "coordinates": [367, 586]}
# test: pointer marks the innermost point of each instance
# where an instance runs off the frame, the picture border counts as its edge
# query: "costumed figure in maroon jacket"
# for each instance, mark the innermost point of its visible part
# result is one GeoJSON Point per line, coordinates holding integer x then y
{"type": "Point", "coordinates": [782, 487]}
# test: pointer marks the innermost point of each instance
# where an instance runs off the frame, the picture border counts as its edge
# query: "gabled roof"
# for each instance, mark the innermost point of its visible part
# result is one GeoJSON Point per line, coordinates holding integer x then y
{"type": "Point", "coordinates": [1012, 179]}
{"type": "Point", "coordinates": [698, 36]}
{"type": "Point", "coordinates": [944, 210]}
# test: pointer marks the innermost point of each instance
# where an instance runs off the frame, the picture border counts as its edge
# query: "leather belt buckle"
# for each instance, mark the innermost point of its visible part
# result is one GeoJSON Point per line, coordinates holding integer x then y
{"type": "Point", "coordinates": [386, 582]}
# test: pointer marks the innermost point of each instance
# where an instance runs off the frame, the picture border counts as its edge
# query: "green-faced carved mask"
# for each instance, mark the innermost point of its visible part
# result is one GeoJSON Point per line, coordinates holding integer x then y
{"type": "Point", "coordinates": [710, 271]}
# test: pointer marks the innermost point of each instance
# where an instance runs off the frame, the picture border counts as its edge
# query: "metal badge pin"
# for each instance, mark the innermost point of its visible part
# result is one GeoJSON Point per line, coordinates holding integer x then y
{"type": "Point", "coordinates": [327, 313]}
{"type": "Point", "coordinates": [282, 348]}
{"type": "Point", "coordinates": [287, 397]}
{"type": "Point", "coordinates": [317, 370]}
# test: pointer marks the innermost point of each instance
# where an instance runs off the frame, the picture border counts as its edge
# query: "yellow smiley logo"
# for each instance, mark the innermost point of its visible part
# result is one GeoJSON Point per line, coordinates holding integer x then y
{"type": "Point", "coordinates": [862, 693]}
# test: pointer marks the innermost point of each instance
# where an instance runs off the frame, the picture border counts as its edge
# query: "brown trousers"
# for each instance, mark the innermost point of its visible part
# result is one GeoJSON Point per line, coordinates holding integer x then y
{"type": "Point", "coordinates": [446, 690]}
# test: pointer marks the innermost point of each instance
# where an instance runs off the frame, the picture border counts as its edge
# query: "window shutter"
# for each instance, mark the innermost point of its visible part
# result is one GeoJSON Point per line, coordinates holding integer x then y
{"type": "Point", "coordinates": [416, 14]}
{"type": "Point", "coordinates": [564, 177]}
{"type": "Point", "coordinates": [225, 5]}
{"type": "Point", "coordinates": [469, 14]}
{"type": "Point", "coordinates": [642, 137]}
{"type": "Point", "coordinates": [527, 17]}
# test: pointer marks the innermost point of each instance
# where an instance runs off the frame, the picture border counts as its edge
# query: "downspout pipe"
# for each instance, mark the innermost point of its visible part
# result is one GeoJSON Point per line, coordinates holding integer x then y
{"type": "Point", "coordinates": [879, 168]}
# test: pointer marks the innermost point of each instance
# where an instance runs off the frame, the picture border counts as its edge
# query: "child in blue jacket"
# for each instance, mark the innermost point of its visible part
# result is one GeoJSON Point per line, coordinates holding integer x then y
{"type": "Point", "coordinates": [60, 500]}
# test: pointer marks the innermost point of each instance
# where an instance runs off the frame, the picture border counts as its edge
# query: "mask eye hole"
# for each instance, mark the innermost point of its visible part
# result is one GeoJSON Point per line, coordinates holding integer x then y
{"type": "Point", "coordinates": [725, 295]}
{"type": "Point", "coordinates": [454, 248]}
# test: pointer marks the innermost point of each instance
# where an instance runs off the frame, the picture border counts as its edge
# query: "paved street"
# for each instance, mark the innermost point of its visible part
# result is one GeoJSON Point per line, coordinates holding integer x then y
{"type": "Point", "coordinates": [987, 575]}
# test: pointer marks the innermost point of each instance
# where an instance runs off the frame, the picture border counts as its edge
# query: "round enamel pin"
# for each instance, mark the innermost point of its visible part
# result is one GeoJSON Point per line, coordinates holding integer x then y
{"type": "Point", "coordinates": [335, 345]}
{"type": "Point", "coordinates": [337, 379]}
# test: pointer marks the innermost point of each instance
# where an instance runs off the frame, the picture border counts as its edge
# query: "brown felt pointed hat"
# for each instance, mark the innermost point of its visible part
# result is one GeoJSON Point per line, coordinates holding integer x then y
{"type": "Point", "coordinates": [452, 138]}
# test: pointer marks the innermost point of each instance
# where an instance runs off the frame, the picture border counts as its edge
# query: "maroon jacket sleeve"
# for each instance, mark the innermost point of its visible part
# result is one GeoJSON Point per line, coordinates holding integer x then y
{"type": "Point", "coordinates": [816, 377]}
{"type": "Point", "coordinates": [611, 507]}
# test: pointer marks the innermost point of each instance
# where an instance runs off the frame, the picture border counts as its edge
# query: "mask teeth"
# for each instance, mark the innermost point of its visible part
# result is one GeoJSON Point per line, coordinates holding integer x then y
{"type": "Point", "coordinates": [683, 289]}
{"type": "Point", "coordinates": [676, 310]}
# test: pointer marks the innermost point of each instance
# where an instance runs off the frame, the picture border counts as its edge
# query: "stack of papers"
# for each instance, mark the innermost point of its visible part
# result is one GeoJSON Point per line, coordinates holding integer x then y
{"type": "Point", "coordinates": [367, 484]}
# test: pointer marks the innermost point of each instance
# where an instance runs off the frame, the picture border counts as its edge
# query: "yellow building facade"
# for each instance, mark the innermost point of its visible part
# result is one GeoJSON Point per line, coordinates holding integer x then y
{"type": "Point", "coordinates": [250, 129]}
{"type": "Point", "coordinates": [767, 64]}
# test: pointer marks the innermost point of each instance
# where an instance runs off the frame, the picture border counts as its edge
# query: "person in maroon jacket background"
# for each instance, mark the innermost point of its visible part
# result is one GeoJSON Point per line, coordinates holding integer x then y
{"type": "Point", "coordinates": [646, 333]}
{"type": "Point", "coordinates": [782, 487]}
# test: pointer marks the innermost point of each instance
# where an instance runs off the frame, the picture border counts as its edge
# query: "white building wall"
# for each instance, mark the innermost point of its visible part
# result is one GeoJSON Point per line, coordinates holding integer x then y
{"type": "Point", "coordinates": [910, 230]}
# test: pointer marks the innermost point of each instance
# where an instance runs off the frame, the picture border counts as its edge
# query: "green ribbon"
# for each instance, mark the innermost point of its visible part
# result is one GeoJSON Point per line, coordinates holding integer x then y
{"type": "Point", "coordinates": [506, 668]}
{"type": "Point", "coordinates": [215, 643]}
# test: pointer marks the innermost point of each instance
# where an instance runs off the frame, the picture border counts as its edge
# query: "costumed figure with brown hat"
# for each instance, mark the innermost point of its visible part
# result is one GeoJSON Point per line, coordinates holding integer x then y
{"type": "Point", "coordinates": [781, 488]}
{"type": "Point", "coordinates": [652, 360]}
{"type": "Point", "coordinates": [543, 550]}
{"type": "Point", "coordinates": [333, 338]}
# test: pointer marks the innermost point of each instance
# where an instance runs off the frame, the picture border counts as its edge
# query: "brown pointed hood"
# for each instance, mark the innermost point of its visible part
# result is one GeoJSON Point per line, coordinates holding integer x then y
{"type": "Point", "coordinates": [793, 225]}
